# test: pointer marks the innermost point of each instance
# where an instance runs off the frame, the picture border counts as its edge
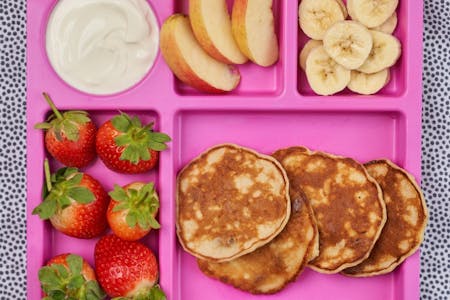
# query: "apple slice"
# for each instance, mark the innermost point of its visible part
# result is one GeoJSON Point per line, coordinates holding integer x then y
{"type": "Point", "coordinates": [254, 30]}
{"type": "Point", "coordinates": [211, 24]}
{"type": "Point", "coordinates": [190, 63]}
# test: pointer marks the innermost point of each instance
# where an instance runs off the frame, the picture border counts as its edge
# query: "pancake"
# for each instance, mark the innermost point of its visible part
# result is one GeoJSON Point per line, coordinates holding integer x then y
{"type": "Point", "coordinates": [230, 201]}
{"type": "Point", "coordinates": [346, 201]}
{"type": "Point", "coordinates": [270, 268]}
{"type": "Point", "coordinates": [405, 226]}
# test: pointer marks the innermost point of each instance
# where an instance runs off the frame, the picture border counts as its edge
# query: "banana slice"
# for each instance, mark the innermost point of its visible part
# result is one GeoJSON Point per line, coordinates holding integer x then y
{"type": "Point", "coordinates": [343, 8]}
{"type": "Point", "coordinates": [388, 26]}
{"type": "Point", "coordinates": [309, 46]}
{"type": "Point", "coordinates": [316, 16]}
{"type": "Point", "coordinates": [368, 84]}
{"type": "Point", "coordinates": [349, 43]}
{"type": "Point", "coordinates": [324, 75]}
{"type": "Point", "coordinates": [371, 13]}
{"type": "Point", "coordinates": [385, 52]}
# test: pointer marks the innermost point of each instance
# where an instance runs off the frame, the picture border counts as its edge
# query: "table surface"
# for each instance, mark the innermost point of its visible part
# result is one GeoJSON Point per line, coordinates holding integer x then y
{"type": "Point", "coordinates": [435, 251]}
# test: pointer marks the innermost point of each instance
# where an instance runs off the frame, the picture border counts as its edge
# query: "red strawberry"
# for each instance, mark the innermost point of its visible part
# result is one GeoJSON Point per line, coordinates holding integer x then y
{"type": "Point", "coordinates": [127, 269]}
{"type": "Point", "coordinates": [70, 136]}
{"type": "Point", "coordinates": [69, 276]}
{"type": "Point", "coordinates": [132, 210]}
{"type": "Point", "coordinates": [74, 202]}
{"type": "Point", "coordinates": [125, 146]}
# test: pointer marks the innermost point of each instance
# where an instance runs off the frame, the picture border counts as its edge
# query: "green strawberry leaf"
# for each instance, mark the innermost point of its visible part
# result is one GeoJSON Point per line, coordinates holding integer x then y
{"type": "Point", "coordinates": [64, 201]}
{"type": "Point", "coordinates": [118, 194]}
{"type": "Point", "coordinates": [46, 209]}
{"type": "Point", "coordinates": [94, 291]}
{"type": "Point", "coordinates": [153, 223]}
{"type": "Point", "coordinates": [142, 220]}
{"type": "Point", "coordinates": [121, 122]}
{"type": "Point", "coordinates": [66, 172]}
{"type": "Point", "coordinates": [136, 122]}
{"type": "Point", "coordinates": [160, 137]}
{"type": "Point", "coordinates": [143, 153]}
{"type": "Point", "coordinates": [78, 117]}
{"type": "Point", "coordinates": [156, 293]}
{"type": "Point", "coordinates": [61, 271]}
{"type": "Point", "coordinates": [76, 282]}
{"type": "Point", "coordinates": [157, 146]}
{"type": "Point", "coordinates": [48, 277]}
{"type": "Point", "coordinates": [75, 264]}
{"type": "Point", "coordinates": [57, 128]}
{"type": "Point", "coordinates": [131, 219]}
{"type": "Point", "coordinates": [70, 130]}
{"type": "Point", "coordinates": [43, 125]}
{"type": "Point", "coordinates": [82, 195]}
{"type": "Point", "coordinates": [57, 295]}
{"type": "Point", "coordinates": [121, 206]}
{"type": "Point", "coordinates": [123, 140]}
{"type": "Point", "coordinates": [130, 154]}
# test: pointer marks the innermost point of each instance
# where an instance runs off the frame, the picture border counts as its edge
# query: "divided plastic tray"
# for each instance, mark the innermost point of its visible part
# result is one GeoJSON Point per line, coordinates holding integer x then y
{"type": "Point", "coordinates": [272, 108]}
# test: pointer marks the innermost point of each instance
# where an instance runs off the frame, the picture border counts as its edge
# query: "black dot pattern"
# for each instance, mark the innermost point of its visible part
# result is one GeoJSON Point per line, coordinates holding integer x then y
{"type": "Point", "coordinates": [435, 262]}
{"type": "Point", "coordinates": [12, 144]}
{"type": "Point", "coordinates": [435, 268]}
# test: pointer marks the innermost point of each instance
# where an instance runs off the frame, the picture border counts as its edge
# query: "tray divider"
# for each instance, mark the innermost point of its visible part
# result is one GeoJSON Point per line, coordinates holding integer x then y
{"type": "Point", "coordinates": [167, 236]}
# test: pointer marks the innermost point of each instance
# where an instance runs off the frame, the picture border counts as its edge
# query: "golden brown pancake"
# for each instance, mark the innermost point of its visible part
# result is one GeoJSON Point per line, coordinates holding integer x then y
{"type": "Point", "coordinates": [406, 222]}
{"type": "Point", "coordinates": [270, 268]}
{"type": "Point", "coordinates": [346, 201]}
{"type": "Point", "coordinates": [230, 201]}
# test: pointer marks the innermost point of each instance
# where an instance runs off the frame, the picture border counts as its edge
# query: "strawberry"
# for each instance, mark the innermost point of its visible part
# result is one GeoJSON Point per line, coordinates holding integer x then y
{"type": "Point", "coordinates": [132, 210]}
{"type": "Point", "coordinates": [75, 203]}
{"type": "Point", "coordinates": [127, 269]}
{"type": "Point", "coordinates": [70, 136]}
{"type": "Point", "coordinates": [69, 276]}
{"type": "Point", "coordinates": [125, 146]}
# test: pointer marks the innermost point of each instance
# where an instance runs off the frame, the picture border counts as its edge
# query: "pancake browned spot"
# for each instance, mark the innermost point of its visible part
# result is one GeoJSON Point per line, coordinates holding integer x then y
{"type": "Point", "coordinates": [346, 201]}
{"type": "Point", "coordinates": [230, 201]}
{"type": "Point", "coordinates": [405, 226]}
{"type": "Point", "coordinates": [270, 268]}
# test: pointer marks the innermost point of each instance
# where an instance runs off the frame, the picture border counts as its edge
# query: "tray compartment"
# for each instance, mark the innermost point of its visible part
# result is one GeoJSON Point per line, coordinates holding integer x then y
{"type": "Point", "coordinates": [255, 80]}
{"type": "Point", "coordinates": [156, 79]}
{"type": "Point", "coordinates": [363, 135]}
{"type": "Point", "coordinates": [54, 242]}
{"type": "Point", "coordinates": [397, 85]}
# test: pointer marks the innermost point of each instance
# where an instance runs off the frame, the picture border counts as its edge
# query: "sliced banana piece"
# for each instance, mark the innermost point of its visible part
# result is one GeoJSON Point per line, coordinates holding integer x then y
{"type": "Point", "coordinates": [316, 16]}
{"type": "Point", "coordinates": [385, 52]}
{"type": "Point", "coordinates": [349, 43]}
{"type": "Point", "coordinates": [306, 50]}
{"type": "Point", "coordinates": [343, 8]}
{"type": "Point", "coordinates": [388, 26]}
{"type": "Point", "coordinates": [368, 84]}
{"type": "Point", "coordinates": [371, 13]}
{"type": "Point", "coordinates": [325, 76]}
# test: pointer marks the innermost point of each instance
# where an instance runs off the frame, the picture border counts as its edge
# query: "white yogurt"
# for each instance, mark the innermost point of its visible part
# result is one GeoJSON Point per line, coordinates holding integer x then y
{"type": "Point", "coordinates": [102, 46]}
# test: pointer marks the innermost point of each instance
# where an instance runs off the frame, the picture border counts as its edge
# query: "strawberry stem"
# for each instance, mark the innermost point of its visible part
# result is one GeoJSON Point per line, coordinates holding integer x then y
{"type": "Point", "coordinates": [52, 106]}
{"type": "Point", "coordinates": [48, 180]}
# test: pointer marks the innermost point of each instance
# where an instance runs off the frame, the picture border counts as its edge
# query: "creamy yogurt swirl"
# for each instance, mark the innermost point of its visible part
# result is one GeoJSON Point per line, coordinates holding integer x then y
{"type": "Point", "coordinates": [102, 46]}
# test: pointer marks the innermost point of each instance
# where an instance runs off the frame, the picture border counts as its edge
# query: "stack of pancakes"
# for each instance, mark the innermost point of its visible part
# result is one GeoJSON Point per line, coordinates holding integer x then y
{"type": "Point", "coordinates": [256, 221]}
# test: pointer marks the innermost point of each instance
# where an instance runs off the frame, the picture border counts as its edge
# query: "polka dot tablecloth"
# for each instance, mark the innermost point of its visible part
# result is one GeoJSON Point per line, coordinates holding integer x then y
{"type": "Point", "coordinates": [435, 271]}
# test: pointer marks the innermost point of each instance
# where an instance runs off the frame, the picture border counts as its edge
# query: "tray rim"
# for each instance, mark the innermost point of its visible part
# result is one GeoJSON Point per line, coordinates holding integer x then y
{"type": "Point", "coordinates": [407, 104]}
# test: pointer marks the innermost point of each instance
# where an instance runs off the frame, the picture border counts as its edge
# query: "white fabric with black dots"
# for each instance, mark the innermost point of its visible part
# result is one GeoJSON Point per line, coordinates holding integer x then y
{"type": "Point", "coordinates": [435, 272]}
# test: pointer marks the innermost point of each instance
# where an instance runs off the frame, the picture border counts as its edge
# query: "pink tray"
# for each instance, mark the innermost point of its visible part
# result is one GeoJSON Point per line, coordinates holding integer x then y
{"type": "Point", "coordinates": [272, 108]}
